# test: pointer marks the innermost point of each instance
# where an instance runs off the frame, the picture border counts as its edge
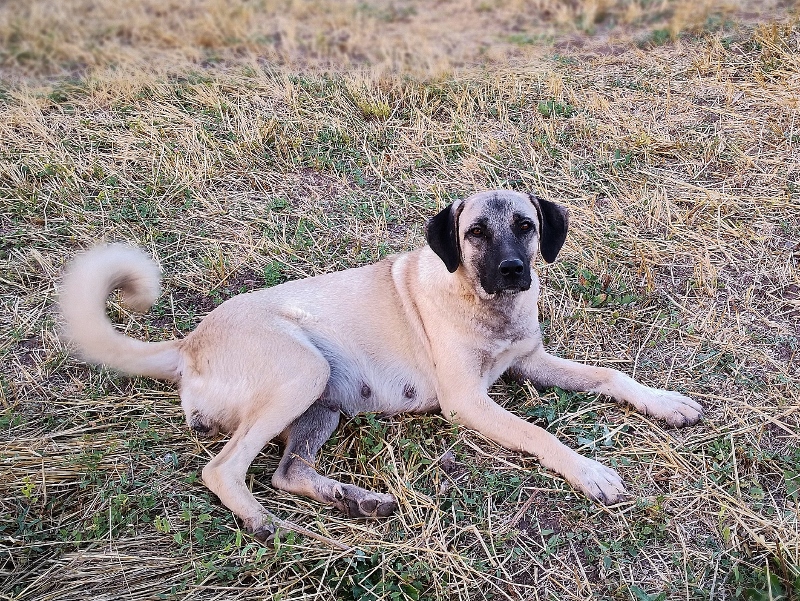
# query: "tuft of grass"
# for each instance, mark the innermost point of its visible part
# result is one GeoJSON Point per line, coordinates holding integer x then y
{"type": "Point", "coordinates": [554, 108]}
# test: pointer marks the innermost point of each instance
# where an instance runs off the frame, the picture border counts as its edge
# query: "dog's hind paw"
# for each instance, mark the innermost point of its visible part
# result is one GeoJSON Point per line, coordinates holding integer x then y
{"type": "Point", "coordinates": [356, 502]}
{"type": "Point", "coordinates": [263, 528]}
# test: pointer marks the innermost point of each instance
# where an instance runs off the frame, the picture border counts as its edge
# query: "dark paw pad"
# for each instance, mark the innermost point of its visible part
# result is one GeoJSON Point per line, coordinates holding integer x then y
{"type": "Point", "coordinates": [263, 529]}
{"type": "Point", "coordinates": [356, 502]}
{"type": "Point", "coordinates": [384, 510]}
{"type": "Point", "coordinates": [265, 534]}
{"type": "Point", "coordinates": [368, 506]}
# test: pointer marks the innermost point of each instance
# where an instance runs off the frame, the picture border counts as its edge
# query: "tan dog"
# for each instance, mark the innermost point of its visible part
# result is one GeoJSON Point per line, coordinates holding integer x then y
{"type": "Point", "coordinates": [421, 331]}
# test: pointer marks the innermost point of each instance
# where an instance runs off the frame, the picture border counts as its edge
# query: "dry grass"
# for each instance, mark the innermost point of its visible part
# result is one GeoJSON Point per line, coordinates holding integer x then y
{"type": "Point", "coordinates": [192, 132]}
{"type": "Point", "coordinates": [42, 37]}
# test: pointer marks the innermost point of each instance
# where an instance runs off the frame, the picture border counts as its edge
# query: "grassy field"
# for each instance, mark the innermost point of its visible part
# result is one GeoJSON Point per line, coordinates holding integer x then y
{"type": "Point", "coordinates": [248, 143]}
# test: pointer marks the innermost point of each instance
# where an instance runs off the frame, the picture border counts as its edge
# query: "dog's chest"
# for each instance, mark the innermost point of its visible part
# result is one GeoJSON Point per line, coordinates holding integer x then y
{"type": "Point", "coordinates": [500, 355]}
{"type": "Point", "coordinates": [506, 334]}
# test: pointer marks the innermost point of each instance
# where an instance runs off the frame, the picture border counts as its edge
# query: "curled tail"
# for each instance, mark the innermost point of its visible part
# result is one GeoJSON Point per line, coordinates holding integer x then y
{"type": "Point", "coordinates": [87, 282]}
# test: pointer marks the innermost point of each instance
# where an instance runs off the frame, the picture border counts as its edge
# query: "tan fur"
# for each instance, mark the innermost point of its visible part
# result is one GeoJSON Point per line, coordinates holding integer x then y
{"type": "Point", "coordinates": [84, 291]}
{"type": "Point", "coordinates": [400, 335]}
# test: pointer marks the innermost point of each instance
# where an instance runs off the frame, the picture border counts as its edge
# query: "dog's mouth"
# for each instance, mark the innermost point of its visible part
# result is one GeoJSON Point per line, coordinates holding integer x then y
{"type": "Point", "coordinates": [513, 289]}
{"type": "Point", "coordinates": [510, 290]}
{"type": "Point", "coordinates": [505, 286]}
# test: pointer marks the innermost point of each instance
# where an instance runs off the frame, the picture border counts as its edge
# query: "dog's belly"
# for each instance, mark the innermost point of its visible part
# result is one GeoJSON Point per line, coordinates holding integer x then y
{"type": "Point", "coordinates": [364, 382]}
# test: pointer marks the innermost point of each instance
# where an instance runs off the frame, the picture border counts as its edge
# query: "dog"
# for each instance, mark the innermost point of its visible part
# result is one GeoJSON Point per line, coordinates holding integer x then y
{"type": "Point", "coordinates": [427, 330]}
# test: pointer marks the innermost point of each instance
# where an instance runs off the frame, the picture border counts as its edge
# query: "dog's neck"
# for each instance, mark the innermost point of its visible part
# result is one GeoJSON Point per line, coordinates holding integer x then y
{"type": "Point", "coordinates": [507, 315]}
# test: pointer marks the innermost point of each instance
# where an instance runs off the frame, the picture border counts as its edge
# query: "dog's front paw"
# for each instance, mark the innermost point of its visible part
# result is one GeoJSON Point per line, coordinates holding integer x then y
{"type": "Point", "coordinates": [595, 480]}
{"type": "Point", "coordinates": [674, 408]}
{"type": "Point", "coordinates": [356, 502]}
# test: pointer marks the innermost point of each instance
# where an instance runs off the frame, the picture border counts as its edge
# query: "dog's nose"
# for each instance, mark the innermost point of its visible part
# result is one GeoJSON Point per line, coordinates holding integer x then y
{"type": "Point", "coordinates": [511, 268]}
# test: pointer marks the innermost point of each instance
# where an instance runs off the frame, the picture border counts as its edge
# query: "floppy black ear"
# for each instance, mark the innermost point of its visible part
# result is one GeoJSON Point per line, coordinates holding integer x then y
{"type": "Point", "coordinates": [555, 222]}
{"type": "Point", "coordinates": [442, 235]}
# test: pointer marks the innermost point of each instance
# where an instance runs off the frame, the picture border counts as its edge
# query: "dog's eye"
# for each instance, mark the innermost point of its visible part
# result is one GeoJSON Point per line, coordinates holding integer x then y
{"type": "Point", "coordinates": [477, 232]}
{"type": "Point", "coordinates": [525, 226]}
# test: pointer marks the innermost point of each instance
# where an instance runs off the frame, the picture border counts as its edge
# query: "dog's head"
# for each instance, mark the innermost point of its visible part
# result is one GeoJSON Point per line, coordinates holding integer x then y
{"type": "Point", "coordinates": [495, 236]}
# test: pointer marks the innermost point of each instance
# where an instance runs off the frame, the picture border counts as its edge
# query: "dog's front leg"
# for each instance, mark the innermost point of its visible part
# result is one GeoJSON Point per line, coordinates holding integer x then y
{"type": "Point", "coordinates": [546, 370]}
{"type": "Point", "coordinates": [466, 402]}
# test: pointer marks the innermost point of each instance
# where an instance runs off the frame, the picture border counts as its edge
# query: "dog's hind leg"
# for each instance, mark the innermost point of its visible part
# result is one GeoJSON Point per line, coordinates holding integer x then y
{"type": "Point", "coordinates": [225, 474]}
{"type": "Point", "coordinates": [296, 472]}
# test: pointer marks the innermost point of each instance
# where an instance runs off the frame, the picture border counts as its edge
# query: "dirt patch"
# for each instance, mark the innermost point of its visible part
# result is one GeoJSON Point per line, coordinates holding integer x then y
{"type": "Point", "coordinates": [29, 351]}
{"type": "Point", "coordinates": [241, 282]}
{"type": "Point", "coordinates": [791, 293]}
